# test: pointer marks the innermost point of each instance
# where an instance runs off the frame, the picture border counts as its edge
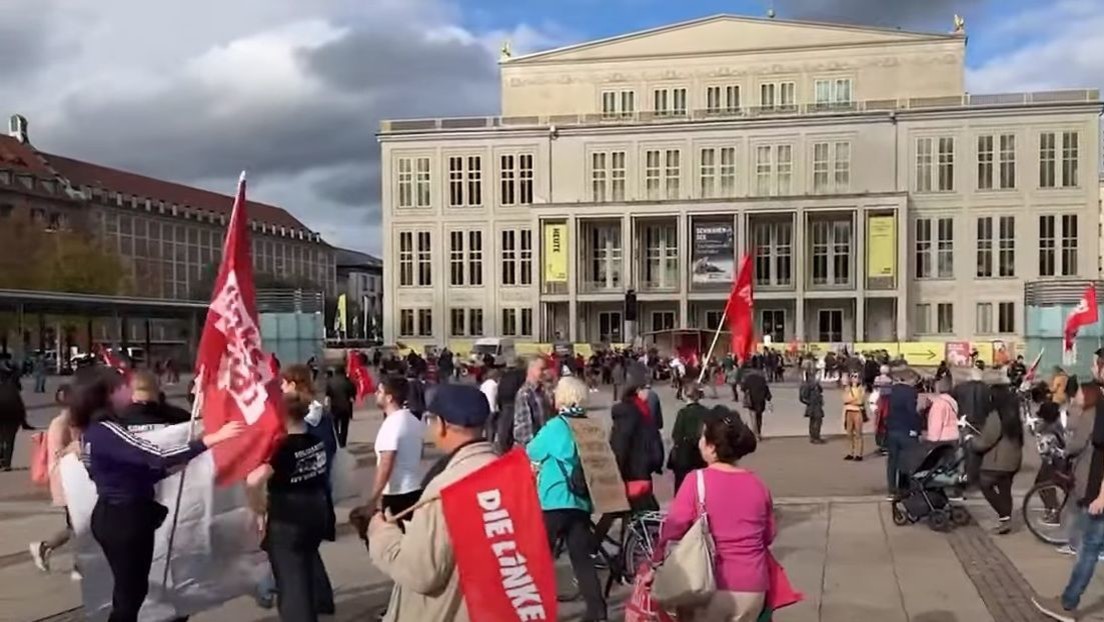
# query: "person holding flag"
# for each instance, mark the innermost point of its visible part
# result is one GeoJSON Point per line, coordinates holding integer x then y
{"type": "Point", "coordinates": [124, 469]}
{"type": "Point", "coordinates": [420, 557]}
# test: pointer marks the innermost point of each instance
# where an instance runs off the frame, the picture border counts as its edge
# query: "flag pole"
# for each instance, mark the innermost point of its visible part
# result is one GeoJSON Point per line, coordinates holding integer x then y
{"type": "Point", "coordinates": [713, 345]}
{"type": "Point", "coordinates": [197, 405]}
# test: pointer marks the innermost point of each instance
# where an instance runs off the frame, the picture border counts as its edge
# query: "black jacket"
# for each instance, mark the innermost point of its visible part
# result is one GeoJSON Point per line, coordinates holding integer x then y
{"type": "Point", "coordinates": [341, 392]}
{"type": "Point", "coordinates": [757, 391]}
{"type": "Point", "coordinates": [12, 410]}
{"type": "Point", "coordinates": [629, 443]}
{"type": "Point", "coordinates": [973, 401]}
{"type": "Point", "coordinates": [685, 455]}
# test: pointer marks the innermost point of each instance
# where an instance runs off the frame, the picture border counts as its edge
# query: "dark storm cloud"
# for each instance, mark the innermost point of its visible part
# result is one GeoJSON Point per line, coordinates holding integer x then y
{"type": "Point", "coordinates": [351, 187]}
{"type": "Point", "coordinates": [934, 15]}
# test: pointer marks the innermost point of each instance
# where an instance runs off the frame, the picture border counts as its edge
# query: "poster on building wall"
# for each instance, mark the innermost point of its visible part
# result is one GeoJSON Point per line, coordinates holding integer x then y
{"type": "Point", "coordinates": [555, 253]}
{"type": "Point", "coordinates": [881, 247]}
{"type": "Point", "coordinates": [714, 253]}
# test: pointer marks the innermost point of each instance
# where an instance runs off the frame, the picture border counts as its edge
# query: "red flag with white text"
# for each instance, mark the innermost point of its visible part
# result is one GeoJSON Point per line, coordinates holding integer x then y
{"type": "Point", "coordinates": [500, 544]}
{"type": "Point", "coordinates": [234, 374]}
{"type": "Point", "coordinates": [1085, 314]}
{"type": "Point", "coordinates": [738, 311]}
{"type": "Point", "coordinates": [358, 373]}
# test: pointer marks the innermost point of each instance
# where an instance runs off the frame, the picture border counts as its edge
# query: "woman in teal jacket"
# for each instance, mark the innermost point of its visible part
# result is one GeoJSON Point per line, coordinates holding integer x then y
{"type": "Point", "coordinates": [566, 505]}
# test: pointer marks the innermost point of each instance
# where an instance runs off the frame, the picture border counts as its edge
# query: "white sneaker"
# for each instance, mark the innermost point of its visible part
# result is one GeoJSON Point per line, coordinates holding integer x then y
{"type": "Point", "coordinates": [40, 555]}
{"type": "Point", "coordinates": [75, 576]}
{"type": "Point", "coordinates": [1066, 549]}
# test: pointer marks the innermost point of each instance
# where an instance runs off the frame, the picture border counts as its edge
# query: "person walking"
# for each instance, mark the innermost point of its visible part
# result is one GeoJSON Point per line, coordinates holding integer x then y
{"type": "Point", "coordinates": [418, 557]}
{"type": "Point", "coordinates": [531, 406]}
{"type": "Point", "coordinates": [741, 521]}
{"type": "Point", "coordinates": [1001, 447]}
{"type": "Point", "coordinates": [60, 437]}
{"type": "Point", "coordinates": [291, 497]}
{"type": "Point", "coordinates": [340, 394]}
{"type": "Point", "coordinates": [13, 415]}
{"type": "Point", "coordinates": [903, 427]}
{"type": "Point", "coordinates": [399, 449]}
{"type": "Point", "coordinates": [943, 417]}
{"type": "Point", "coordinates": [732, 377]}
{"type": "Point", "coordinates": [566, 509]}
{"type": "Point", "coordinates": [489, 388]}
{"type": "Point", "coordinates": [39, 371]}
{"type": "Point", "coordinates": [854, 401]}
{"type": "Point", "coordinates": [757, 395]}
{"type": "Point", "coordinates": [685, 455]}
{"type": "Point", "coordinates": [124, 469]}
{"type": "Point", "coordinates": [511, 381]}
{"type": "Point", "coordinates": [1087, 496]}
{"type": "Point", "coordinates": [811, 395]}
{"type": "Point", "coordinates": [618, 374]}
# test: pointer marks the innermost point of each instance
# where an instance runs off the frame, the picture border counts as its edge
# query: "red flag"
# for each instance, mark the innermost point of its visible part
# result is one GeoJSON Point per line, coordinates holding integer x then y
{"type": "Point", "coordinates": [233, 373]}
{"type": "Point", "coordinates": [738, 311]}
{"type": "Point", "coordinates": [359, 375]}
{"type": "Point", "coordinates": [113, 361]}
{"type": "Point", "coordinates": [1085, 314]}
{"type": "Point", "coordinates": [497, 529]}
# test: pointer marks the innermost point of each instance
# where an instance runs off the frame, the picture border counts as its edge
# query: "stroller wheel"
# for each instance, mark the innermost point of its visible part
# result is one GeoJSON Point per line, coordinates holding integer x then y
{"type": "Point", "coordinates": [960, 516]}
{"type": "Point", "coordinates": [939, 520]}
{"type": "Point", "coordinates": [900, 518]}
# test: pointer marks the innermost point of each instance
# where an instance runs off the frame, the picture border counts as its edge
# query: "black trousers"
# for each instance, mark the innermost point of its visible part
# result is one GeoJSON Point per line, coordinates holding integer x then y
{"type": "Point", "coordinates": [574, 527]}
{"type": "Point", "coordinates": [397, 504]}
{"type": "Point", "coordinates": [125, 533]}
{"type": "Point", "coordinates": [302, 585]}
{"type": "Point", "coordinates": [815, 423]}
{"type": "Point", "coordinates": [7, 443]}
{"type": "Point", "coordinates": [996, 486]}
{"type": "Point", "coordinates": [341, 426]}
{"type": "Point", "coordinates": [1046, 474]}
{"type": "Point", "coordinates": [757, 419]}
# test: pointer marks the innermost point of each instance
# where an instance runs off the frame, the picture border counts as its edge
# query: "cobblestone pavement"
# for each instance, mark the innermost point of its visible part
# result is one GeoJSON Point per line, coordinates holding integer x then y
{"type": "Point", "coordinates": [837, 542]}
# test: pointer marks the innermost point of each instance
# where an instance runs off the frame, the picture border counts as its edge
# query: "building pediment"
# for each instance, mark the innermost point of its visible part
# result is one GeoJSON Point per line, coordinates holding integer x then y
{"type": "Point", "coordinates": [725, 34]}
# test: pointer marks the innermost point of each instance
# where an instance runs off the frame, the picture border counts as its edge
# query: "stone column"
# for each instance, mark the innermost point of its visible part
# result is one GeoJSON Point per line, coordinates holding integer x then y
{"type": "Point", "coordinates": [859, 267]}
{"type": "Point", "coordinates": [799, 262]}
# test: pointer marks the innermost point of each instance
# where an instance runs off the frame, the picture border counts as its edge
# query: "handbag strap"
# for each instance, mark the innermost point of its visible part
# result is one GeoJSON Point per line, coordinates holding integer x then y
{"type": "Point", "coordinates": [700, 473]}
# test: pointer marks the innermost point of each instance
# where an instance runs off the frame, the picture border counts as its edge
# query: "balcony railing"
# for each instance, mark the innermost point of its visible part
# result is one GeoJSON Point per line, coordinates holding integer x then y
{"type": "Point", "coordinates": [1077, 96]}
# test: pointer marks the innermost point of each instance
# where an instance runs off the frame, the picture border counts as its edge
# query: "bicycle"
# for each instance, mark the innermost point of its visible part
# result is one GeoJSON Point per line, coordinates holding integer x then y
{"type": "Point", "coordinates": [619, 557]}
{"type": "Point", "coordinates": [1045, 504]}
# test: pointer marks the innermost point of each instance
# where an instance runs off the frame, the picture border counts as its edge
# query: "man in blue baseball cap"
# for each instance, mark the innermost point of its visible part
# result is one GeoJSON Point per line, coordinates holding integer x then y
{"type": "Point", "coordinates": [420, 561]}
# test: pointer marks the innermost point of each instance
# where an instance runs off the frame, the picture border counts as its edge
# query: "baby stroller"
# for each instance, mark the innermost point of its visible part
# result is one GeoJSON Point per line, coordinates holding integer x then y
{"type": "Point", "coordinates": [931, 468]}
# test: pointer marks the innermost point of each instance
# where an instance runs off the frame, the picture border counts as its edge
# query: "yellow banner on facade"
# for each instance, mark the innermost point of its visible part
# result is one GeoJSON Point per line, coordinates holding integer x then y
{"type": "Point", "coordinates": [881, 247]}
{"type": "Point", "coordinates": [555, 253]}
{"type": "Point", "coordinates": [923, 353]}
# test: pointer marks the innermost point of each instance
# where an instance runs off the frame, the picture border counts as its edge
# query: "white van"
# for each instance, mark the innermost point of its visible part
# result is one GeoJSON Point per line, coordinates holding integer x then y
{"type": "Point", "coordinates": [502, 349]}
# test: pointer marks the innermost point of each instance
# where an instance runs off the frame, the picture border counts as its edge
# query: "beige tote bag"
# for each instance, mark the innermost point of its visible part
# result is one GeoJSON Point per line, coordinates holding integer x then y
{"type": "Point", "coordinates": [686, 577]}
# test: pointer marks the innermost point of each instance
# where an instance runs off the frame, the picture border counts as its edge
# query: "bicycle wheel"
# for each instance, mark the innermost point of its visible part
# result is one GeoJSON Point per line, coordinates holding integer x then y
{"type": "Point", "coordinates": [1042, 521]}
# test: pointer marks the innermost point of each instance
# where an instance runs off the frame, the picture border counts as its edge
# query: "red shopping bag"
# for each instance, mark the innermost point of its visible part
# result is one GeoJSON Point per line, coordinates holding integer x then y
{"type": "Point", "coordinates": [641, 607]}
{"type": "Point", "coordinates": [40, 462]}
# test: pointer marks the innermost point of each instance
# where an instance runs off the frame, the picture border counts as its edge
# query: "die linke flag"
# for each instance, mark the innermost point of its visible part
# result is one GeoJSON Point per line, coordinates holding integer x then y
{"type": "Point", "coordinates": [1085, 314]}
{"type": "Point", "coordinates": [500, 544]}
{"type": "Point", "coordinates": [738, 311]}
{"type": "Point", "coordinates": [234, 374]}
{"type": "Point", "coordinates": [358, 373]}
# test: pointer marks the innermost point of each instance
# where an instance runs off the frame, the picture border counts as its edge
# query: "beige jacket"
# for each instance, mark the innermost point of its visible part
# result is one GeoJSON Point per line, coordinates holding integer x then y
{"type": "Point", "coordinates": [58, 436]}
{"type": "Point", "coordinates": [420, 562]}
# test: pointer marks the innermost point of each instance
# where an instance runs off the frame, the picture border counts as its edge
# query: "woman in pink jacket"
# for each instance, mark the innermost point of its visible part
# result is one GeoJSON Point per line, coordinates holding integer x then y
{"type": "Point", "coordinates": [60, 436]}
{"type": "Point", "coordinates": [943, 418]}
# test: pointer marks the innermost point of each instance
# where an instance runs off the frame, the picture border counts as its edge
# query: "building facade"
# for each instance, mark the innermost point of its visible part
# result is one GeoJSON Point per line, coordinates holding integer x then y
{"type": "Point", "coordinates": [168, 236]}
{"type": "Point", "coordinates": [360, 278]}
{"type": "Point", "coordinates": [879, 201]}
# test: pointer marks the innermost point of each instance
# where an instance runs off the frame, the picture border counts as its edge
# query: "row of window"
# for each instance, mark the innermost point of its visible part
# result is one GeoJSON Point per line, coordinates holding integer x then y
{"type": "Point", "coordinates": [672, 101]}
{"type": "Point", "coordinates": [996, 162]}
{"type": "Point", "coordinates": [990, 318]}
{"type": "Point", "coordinates": [465, 258]}
{"type": "Point", "coordinates": [772, 167]}
{"type": "Point", "coordinates": [466, 322]}
{"type": "Point", "coordinates": [996, 246]}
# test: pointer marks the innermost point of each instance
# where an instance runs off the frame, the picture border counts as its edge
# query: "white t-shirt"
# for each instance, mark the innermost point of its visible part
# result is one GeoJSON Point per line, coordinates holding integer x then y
{"type": "Point", "coordinates": [402, 433]}
{"type": "Point", "coordinates": [490, 389]}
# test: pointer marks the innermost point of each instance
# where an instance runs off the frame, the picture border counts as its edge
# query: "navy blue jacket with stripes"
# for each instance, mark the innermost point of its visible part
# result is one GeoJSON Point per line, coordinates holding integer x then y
{"type": "Point", "coordinates": [124, 467]}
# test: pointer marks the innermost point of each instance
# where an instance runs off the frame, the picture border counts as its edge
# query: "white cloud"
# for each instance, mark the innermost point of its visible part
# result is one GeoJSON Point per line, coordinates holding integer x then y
{"type": "Point", "coordinates": [1063, 48]}
{"type": "Point", "coordinates": [292, 91]}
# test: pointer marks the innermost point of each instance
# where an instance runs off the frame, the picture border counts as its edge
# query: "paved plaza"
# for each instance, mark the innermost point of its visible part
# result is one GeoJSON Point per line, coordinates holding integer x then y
{"type": "Point", "coordinates": [837, 541]}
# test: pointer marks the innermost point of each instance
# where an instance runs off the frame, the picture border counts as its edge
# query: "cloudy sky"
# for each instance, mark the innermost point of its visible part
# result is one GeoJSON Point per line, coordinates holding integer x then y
{"type": "Point", "coordinates": [293, 90]}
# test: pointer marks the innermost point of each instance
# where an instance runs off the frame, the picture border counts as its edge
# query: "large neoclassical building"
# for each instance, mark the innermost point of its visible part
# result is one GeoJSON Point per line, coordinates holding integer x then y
{"type": "Point", "coordinates": [880, 201]}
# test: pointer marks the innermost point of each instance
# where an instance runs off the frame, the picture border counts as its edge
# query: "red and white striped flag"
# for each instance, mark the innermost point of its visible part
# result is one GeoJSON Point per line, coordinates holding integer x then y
{"type": "Point", "coordinates": [234, 376]}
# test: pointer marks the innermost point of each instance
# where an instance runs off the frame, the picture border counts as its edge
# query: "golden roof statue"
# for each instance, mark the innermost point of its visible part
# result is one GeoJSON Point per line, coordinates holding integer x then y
{"type": "Point", "coordinates": [505, 52]}
{"type": "Point", "coordinates": [959, 25]}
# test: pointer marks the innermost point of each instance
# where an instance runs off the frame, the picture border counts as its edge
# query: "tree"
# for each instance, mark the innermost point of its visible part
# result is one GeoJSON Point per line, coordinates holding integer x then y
{"type": "Point", "coordinates": [66, 261]}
